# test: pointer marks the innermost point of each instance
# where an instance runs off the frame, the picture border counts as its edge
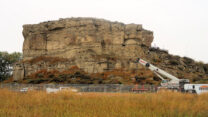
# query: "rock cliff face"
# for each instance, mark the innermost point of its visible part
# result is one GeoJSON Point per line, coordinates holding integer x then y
{"type": "Point", "coordinates": [92, 45]}
{"type": "Point", "coordinates": [72, 37]}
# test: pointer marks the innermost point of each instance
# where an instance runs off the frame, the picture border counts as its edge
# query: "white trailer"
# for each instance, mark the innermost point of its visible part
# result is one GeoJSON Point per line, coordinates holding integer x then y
{"type": "Point", "coordinates": [196, 88]}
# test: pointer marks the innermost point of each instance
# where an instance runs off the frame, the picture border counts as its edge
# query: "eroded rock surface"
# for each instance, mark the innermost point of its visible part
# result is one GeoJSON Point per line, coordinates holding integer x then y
{"type": "Point", "coordinates": [69, 37]}
{"type": "Point", "coordinates": [95, 46]}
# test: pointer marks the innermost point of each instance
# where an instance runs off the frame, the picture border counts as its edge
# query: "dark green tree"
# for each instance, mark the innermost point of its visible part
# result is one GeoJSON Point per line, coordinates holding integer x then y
{"type": "Point", "coordinates": [6, 63]}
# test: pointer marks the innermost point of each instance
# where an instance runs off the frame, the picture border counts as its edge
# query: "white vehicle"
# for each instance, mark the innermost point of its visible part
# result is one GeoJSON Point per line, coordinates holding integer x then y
{"type": "Point", "coordinates": [171, 82]}
{"type": "Point", "coordinates": [68, 89]}
{"type": "Point", "coordinates": [196, 88]}
{"type": "Point", "coordinates": [52, 90]}
{"type": "Point", "coordinates": [55, 90]}
{"type": "Point", "coordinates": [24, 89]}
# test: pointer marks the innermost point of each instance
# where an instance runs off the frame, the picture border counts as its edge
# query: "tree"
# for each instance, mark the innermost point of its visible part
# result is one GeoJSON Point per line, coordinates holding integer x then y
{"type": "Point", "coordinates": [6, 63]}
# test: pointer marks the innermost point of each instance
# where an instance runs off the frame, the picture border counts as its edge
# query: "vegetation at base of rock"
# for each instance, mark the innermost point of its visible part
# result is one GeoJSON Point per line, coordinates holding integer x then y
{"type": "Point", "coordinates": [70, 104]}
{"type": "Point", "coordinates": [6, 63]}
{"type": "Point", "coordinates": [75, 75]}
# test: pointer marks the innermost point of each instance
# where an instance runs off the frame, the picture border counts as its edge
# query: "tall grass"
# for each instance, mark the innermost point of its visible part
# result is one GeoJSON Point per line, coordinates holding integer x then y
{"type": "Point", "coordinates": [68, 104]}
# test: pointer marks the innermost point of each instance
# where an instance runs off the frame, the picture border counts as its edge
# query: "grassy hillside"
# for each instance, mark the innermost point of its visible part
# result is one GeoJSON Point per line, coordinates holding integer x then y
{"type": "Point", "coordinates": [68, 104]}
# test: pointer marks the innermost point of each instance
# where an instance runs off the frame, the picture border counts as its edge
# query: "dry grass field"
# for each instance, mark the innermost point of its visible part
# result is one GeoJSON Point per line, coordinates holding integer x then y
{"type": "Point", "coordinates": [69, 104]}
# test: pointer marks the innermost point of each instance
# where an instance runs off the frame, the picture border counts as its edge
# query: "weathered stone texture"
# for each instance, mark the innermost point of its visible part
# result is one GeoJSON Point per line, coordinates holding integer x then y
{"type": "Point", "coordinates": [67, 37]}
{"type": "Point", "coordinates": [96, 45]}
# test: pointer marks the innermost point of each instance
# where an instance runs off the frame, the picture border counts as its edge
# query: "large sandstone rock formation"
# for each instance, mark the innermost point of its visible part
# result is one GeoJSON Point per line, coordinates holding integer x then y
{"type": "Point", "coordinates": [69, 38]}
{"type": "Point", "coordinates": [93, 45]}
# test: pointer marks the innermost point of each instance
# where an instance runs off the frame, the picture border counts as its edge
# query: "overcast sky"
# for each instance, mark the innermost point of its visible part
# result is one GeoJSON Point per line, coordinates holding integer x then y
{"type": "Point", "coordinates": [180, 26]}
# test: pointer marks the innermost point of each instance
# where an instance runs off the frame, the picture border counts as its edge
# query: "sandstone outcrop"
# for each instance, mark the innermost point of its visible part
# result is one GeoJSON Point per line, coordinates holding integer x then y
{"type": "Point", "coordinates": [94, 46]}
{"type": "Point", "coordinates": [69, 37]}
